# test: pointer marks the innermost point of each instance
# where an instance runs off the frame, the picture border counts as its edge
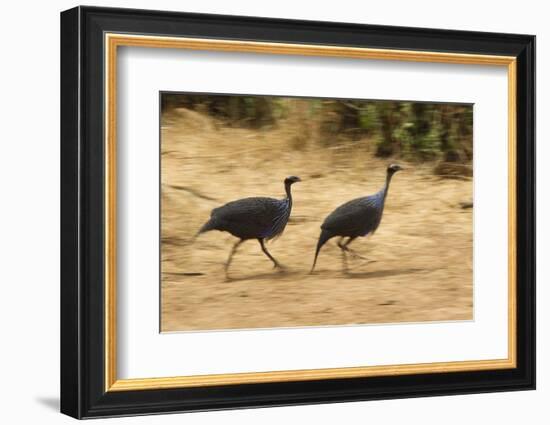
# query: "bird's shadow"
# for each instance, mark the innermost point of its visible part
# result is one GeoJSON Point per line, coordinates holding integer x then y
{"type": "Point", "coordinates": [285, 273]}
{"type": "Point", "coordinates": [382, 273]}
{"type": "Point", "coordinates": [277, 274]}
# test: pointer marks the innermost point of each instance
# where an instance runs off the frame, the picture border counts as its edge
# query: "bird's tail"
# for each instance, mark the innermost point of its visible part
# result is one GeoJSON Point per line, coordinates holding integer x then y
{"type": "Point", "coordinates": [323, 238]}
{"type": "Point", "coordinates": [206, 227]}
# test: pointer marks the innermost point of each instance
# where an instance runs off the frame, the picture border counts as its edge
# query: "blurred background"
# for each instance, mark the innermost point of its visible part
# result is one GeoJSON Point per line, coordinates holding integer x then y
{"type": "Point", "coordinates": [409, 130]}
{"type": "Point", "coordinates": [218, 148]}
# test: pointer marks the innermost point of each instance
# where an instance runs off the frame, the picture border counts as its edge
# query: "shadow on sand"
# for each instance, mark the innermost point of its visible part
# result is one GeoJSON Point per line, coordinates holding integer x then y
{"type": "Point", "coordinates": [382, 273]}
{"type": "Point", "coordinates": [284, 274]}
{"type": "Point", "coordinates": [274, 275]}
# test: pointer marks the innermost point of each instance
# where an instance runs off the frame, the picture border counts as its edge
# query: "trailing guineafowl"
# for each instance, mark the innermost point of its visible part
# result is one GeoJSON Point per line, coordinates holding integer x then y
{"type": "Point", "coordinates": [253, 218]}
{"type": "Point", "coordinates": [358, 217]}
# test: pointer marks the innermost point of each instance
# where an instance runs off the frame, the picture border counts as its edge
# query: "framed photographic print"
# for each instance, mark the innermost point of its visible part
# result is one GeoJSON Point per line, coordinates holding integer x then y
{"type": "Point", "coordinates": [261, 212]}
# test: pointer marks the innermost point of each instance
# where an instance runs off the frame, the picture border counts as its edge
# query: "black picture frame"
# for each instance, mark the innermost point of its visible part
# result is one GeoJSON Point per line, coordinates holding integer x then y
{"type": "Point", "coordinates": [83, 392]}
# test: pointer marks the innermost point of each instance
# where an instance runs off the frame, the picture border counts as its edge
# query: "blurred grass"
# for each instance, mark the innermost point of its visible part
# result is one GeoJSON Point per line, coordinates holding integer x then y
{"type": "Point", "coordinates": [413, 131]}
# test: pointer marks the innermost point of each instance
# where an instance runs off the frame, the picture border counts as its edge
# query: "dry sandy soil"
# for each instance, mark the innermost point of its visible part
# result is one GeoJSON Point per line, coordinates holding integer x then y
{"type": "Point", "coordinates": [421, 255]}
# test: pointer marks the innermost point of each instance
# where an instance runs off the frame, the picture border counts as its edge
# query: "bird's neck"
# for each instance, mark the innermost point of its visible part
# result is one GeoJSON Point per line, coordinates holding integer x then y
{"type": "Point", "coordinates": [387, 184]}
{"type": "Point", "coordinates": [288, 194]}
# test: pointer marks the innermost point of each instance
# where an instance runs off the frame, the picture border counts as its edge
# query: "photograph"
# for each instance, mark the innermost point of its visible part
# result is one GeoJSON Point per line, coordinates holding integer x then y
{"type": "Point", "coordinates": [281, 212]}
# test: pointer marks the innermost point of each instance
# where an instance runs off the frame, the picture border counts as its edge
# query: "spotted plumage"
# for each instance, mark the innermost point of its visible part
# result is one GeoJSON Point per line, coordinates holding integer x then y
{"type": "Point", "coordinates": [258, 218]}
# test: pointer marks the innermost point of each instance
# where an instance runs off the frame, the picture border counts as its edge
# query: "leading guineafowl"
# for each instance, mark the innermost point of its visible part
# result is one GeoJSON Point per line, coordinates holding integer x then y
{"type": "Point", "coordinates": [358, 217]}
{"type": "Point", "coordinates": [253, 218]}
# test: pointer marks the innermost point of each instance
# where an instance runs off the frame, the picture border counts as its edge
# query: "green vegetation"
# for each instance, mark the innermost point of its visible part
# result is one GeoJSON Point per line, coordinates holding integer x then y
{"type": "Point", "coordinates": [410, 130]}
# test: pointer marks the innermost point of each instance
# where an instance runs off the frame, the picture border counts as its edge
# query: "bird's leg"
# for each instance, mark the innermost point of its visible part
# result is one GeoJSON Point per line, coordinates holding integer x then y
{"type": "Point", "coordinates": [344, 261]}
{"type": "Point", "coordinates": [266, 252]}
{"type": "Point", "coordinates": [344, 255]}
{"type": "Point", "coordinates": [352, 251]}
{"type": "Point", "coordinates": [233, 251]}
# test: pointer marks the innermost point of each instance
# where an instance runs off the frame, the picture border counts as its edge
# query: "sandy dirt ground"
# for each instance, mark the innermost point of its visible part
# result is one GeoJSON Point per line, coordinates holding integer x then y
{"type": "Point", "coordinates": [420, 266]}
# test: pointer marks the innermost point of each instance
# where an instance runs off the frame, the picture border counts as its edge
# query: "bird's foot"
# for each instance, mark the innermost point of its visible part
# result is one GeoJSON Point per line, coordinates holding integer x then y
{"type": "Point", "coordinates": [356, 255]}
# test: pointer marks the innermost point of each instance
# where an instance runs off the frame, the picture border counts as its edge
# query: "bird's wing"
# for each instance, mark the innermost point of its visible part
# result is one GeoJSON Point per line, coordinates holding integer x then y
{"type": "Point", "coordinates": [355, 217]}
{"type": "Point", "coordinates": [256, 211]}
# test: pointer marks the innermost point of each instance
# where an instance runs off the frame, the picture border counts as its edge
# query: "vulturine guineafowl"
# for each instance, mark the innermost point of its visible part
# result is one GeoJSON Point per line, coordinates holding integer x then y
{"type": "Point", "coordinates": [253, 218]}
{"type": "Point", "coordinates": [358, 217]}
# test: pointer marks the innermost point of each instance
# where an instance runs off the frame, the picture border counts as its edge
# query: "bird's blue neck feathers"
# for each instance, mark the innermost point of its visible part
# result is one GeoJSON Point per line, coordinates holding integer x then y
{"type": "Point", "coordinates": [381, 194]}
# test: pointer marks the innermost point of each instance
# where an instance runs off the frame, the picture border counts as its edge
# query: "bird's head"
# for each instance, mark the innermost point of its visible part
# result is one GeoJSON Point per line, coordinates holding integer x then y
{"type": "Point", "coordinates": [291, 180]}
{"type": "Point", "coordinates": [394, 168]}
